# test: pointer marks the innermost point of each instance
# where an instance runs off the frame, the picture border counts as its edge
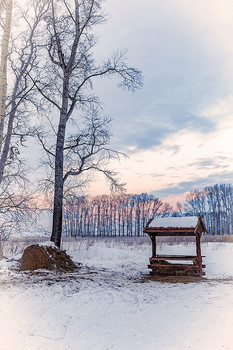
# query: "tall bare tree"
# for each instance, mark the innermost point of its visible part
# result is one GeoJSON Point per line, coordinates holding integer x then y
{"type": "Point", "coordinates": [215, 203]}
{"type": "Point", "coordinates": [66, 82]}
{"type": "Point", "coordinates": [110, 215]}
{"type": "Point", "coordinates": [6, 14]}
{"type": "Point", "coordinates": [18, 57]}
{"type": "Point", "coordinates": [22, 57]}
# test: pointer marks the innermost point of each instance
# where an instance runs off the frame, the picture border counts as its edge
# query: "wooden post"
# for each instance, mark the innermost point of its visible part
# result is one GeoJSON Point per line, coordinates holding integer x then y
{"type": "Point", "coordinates": [198, 250]}
{"type": "Point", "coordinates": [153, 240]}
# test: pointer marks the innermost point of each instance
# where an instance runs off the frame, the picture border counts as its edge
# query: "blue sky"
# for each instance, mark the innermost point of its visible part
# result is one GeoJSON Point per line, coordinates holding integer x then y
{"type": "Point", "coordinates": [177, 130]}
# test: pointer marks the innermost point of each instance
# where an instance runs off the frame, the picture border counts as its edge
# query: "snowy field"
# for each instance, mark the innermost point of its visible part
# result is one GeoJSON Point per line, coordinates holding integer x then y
{"type": "Point", "coordinates": [110, 303]}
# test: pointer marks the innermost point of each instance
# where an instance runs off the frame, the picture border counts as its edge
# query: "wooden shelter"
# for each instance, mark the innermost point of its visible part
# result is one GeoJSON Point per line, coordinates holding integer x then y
{"type": "Point", "coordinates": [181, 265]}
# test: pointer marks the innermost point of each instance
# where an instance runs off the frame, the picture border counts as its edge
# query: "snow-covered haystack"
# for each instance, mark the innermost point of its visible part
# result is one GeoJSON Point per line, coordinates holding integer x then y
{"type": "Point", "coordinates": [46, 257]}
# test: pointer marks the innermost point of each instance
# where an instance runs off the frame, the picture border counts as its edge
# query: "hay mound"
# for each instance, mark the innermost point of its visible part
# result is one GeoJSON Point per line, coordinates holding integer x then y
{"type": "Point", "coordinates": [46, 257]}
{"type": "Point", "coordinates": [59, 260]}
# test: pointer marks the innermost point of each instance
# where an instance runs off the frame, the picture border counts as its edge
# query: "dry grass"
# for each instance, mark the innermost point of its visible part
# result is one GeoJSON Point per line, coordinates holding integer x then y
{"type": "Point", "coordinates": [34, 258]}
{"type": "Point", "coordinates": [16, 246]}
{"type": "Point", "coordinates": [46, 257]}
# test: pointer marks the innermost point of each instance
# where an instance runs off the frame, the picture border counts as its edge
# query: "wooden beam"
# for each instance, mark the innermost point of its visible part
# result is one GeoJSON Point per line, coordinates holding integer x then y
{"type": "Point", "coordinates": [173, 257]}
{"type": "Point", "coordinates": [153, 241]}
{"type": "Point", "coordinates": [173, 266]}
{"type": "Point", "coordinates": [169, 233]}
{"type": "Point", "coordinates": [198, 250]}
{"type": "Point", "coordinates": [170, 229]}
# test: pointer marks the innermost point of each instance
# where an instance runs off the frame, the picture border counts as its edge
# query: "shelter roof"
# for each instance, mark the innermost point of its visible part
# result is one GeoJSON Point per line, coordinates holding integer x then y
{"type": "Point", "coordinates": [187, 221]}
{"type": "Point", "coordinates": [175, 226]}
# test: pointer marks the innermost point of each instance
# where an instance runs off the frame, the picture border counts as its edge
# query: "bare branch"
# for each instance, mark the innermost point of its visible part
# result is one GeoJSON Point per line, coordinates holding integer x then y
{"type": "Point", "coordinates": [43, 94]}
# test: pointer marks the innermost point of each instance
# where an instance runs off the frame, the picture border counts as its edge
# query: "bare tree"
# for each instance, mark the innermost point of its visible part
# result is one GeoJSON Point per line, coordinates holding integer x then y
{"type": "Point", "coordinates": [109, 215]}
{"type": "Point", "coordinates": [66, 83]}
{"type": "Point", "coordinates": [18, 57]}
{"type": "Point", "coordinates": [16, 210]}
{"type": "Point", "coordinates": [215, 203]}
{"type": "Point", "coordinates": [6, 9]}
{"type": "Point", "coordinates": [22, 56]}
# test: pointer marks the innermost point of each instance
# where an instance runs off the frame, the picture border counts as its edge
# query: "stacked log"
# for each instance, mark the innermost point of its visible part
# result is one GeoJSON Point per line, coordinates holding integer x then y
{"type": "Point", "coordinates": [164, 268]}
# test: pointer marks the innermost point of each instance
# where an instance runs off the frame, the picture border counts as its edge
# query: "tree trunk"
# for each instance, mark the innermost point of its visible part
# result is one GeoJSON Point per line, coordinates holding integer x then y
{"type": "Point", "coordinates": [3, 68]}
{"type": "Point", "coordinates": [7, 141]}
{"type": "Point", "coordinates": [59, 182]}
{"type": "Point", "coordinates": [58, 186]}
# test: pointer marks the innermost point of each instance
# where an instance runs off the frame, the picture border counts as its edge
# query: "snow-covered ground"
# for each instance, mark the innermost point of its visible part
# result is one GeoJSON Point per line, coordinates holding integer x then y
{"type": "Point", "coordinates": [109, 303]}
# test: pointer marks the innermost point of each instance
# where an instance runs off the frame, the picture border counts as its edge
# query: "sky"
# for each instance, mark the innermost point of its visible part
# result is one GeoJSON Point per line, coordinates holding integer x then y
{"type": "Point", "coordinates": [178, 129]}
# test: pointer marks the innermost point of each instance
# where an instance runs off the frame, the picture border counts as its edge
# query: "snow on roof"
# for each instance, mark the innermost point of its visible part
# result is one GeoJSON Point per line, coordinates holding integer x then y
{"type": "Point", "coordinates": [187, 221]}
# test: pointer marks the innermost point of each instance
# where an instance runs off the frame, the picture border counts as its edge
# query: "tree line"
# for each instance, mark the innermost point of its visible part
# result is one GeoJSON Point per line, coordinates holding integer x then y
{"type": "Point", "coordinates": [48, 52]}
{"type": "Point", "coordinates": [127, 214]}
{"type": "Point", "coordinates": [111, 215]}
{"type": "Point", "coordinates": [215, 203]}
{"type": "Point", "coordinates": [48, 68]}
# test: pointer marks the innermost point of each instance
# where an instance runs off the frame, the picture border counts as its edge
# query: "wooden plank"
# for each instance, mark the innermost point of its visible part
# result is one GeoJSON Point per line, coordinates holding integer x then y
{"type": "Point", "coordinates": [174, 257]}
{"type": "Point", "coordinates": [149, 222]}
{"type": "Point", "coordinates": [170, 233]}
{"type": "Point", "coordinates": [173, 266]}
{"type": "Point", "coordinates": [176, 273]}
{"type": "Point", "coordinates": [200, 228]}
{"type": "Point", "coordinates": [158, 264]}
{"type": "Point", "coordinates": [170, 229]}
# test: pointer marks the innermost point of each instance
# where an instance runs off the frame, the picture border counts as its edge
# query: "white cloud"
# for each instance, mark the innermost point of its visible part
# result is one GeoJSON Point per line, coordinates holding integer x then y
{"type": "Point", "coordinates": [186, 158]}
{"type": "Point", "coordinates": [179, 128]}
{"type": "Point", "coordinates": [183, 48]}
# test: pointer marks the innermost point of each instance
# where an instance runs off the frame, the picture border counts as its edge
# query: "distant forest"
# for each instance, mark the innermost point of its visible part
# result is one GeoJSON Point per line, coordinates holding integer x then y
{"type": "Point", "coordinates": [127, 214]}
{"type": "Point", "coordinates": [110, 215]}
{"type": "Point", "coordinates": [216, 205]}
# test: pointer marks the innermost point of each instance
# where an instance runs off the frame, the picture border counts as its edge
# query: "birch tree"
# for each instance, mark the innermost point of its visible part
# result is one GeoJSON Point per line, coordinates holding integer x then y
{"type": "Point", "coordinates": [6, 9]}
{"type": "Point", "coordinates": [66, 82]}
{"type": "Point", "coordinates": [109, 215]}
{"type": "Point", "coordinates": [215, 203]}
{"type": "Point", "coordinates": [18, 57]}
{"type": "Point", "coordinates": [22, 58]}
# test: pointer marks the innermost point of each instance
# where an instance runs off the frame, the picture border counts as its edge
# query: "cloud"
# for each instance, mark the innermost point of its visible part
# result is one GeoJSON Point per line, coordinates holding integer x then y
{"type": "Point", "coordinates": [177, 128]}
{"type": "Point", "coordinates": [147, 134]}
{"type": "Point", "coordinates": [219, 162]}
{"type": "Point", "coordinates": [186, 62]}
{"type": "Point", "coordinates": [195, 184]}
